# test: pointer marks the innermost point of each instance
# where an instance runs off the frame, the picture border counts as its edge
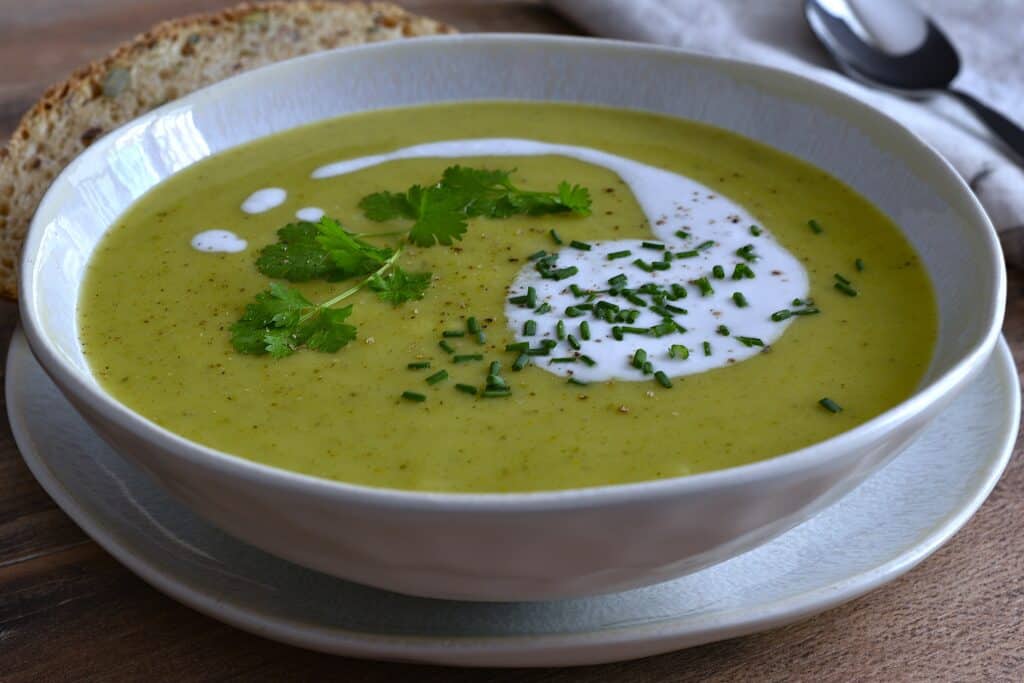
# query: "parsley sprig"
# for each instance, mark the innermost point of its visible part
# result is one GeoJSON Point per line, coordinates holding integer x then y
{"type": "Point", "coordinates": [281, 320]}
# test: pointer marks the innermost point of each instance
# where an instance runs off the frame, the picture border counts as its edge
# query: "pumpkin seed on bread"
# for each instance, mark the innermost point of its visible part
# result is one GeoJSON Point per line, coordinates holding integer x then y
{"type": "Point", "coordinates": [174, 58]}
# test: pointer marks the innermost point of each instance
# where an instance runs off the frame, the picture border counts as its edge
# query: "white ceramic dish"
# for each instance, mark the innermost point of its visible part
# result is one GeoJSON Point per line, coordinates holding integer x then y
{"type": "Point", "coordinates": [925, 495]}
{"type": "Point", "coordinates": [519, 546]}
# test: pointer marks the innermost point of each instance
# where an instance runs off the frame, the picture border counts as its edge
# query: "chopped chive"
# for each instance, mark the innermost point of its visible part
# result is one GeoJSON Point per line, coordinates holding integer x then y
{"type": "Point", "coordinates": [742, 270]}
{"type": "Point", "coordinates": [705, 286]}
{"type": "Point", "coordinates": [634, 330]}
{"type": "Point", "coordinates": [718, 272]}
{"type": "Point", "coordinates": [419, 365]}
{"type": "Point", "coordinates": [539, 351]}
{"type": "Point", "coordinates": [543, 308]}
{"type": "Point", "coordinates": [663, 379]}
{"type": "Point", "coordinates": [722, 330]}
{"type": "Point", "coordinates": [414, 396]}
{"type": "Point", "coordinates": [704, 246]}
{"type": "Point", "coordinates": [453, 333]}
{"type": "Point", "coordinates": [555, 236]}
{"type": "Point", "coordinates": [662, 311]}
{"type": "Point", "coordinates": [574, 311]}
{"type": "Point", "coordinates": [815, 227]}
{"type": "Point", "coordinates": [466, 389]}
{"type": "Point", "coordinates": [741, 301]}
{"type": "Point", "coordinates": [537, 255]}
{"type": "Point", "coordinates": [682, 234]}
{"type": "Point", "coordinates": [678, 351]}
{"type": "Point", "coordinates": [746, 252]}
{"type": "Point", "coordinates": [676, 309]}
{"type": "Point", "coordinates": [657, 246]}
{"type": "Point", "coordinates": [587, 360]}
{"type": "Point", "coordinates": [585, 330]}
{"type": "Point", "coordinates": [643, 265]}
{"type": "Point", "coordinates": [563, 273]}
{"type": "Point", "coordinates": [495, 368]}
{"type": "Point", "coordinates": [520, 362]}
{"type": "Point", "coordinates": [647, 368]}
{"type": "Point", "coordinates": [807, 311]}
{"type": "Point", "coordinates": [663, 328]}
{"type": "Point", "coordinates": [858, 264]}
{"type": "Point", "coordinates": [639, 358]}
{"type": "Point", "coordinates": [481, 338]}
{"type": "Point", "coordinates": [496, 382]}
{"type": "Point", "coordinates": [678, 291]}
{"type": "Point", "coordinates": [633, 298]}
{"type": "Point", "coordinates": [619, 254]}
{"type": "Point", "coordinates": [846, 289]}
{"type": "Point", "coordinates": [467, 357]}
{"type": "Point", "coordinates": [840, 278]}
{"type": "Point", "coordinates": [548, 343]}
{"type": "Point", "coordinates": [560, 330]}
{"type": "Point", "coordinates": [582, 246]}
{"type": "Point", "coordinates": [707, 348]}
{"type": "Point", "coordinates": [755, 231]}
{"type": "Point", "coordinates": [577, 382]}
{"type": "Point", "coordinates": [779, 316]}
{"type": "Point", "coordinates": [439, 376]}
{"type": "Point", "coordinates": [830, 405]}
{"type": "Point", "coordinates": [518, 346]}
{"type": "Point", "coordinates": [472, 326]}
{"type": "Point", "coordinates": [531, 297]}
{"type": "Point", "coordinates": [445, 346]}
{"type": "Point", "coordinates": [576, 290]}
{"type": "Point", "coordinates": [617, 332]}
{"type": "Point", "coordinates": [618, 280]}
{"type": "Point", "coordinates": [529, 328]}
{"type": "Point", "coordinates": [687, 254]}
{"type": "Point", "coordinates": [496, 393]}
{"type": "Point", "coordinates": [563, 359]}
{"type": "Point", "coordinates": [749, 341]}
{"type": "Point", "coordinates": [661, 265]}
{"type": "Point", "coordinates": [574, 342]}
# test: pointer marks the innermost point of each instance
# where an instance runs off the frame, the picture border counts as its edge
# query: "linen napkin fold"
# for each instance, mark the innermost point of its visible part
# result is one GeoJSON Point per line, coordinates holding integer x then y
{"type": "Point", "coordinates": [989, 34]}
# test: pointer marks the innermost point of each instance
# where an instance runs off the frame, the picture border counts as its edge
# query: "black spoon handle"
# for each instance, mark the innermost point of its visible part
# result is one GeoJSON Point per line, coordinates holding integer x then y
{"type": "Point", "coordinates": [1007, 130]}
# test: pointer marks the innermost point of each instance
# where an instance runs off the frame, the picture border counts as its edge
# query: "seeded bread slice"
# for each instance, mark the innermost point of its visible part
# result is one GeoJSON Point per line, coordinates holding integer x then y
{"type": "Point", "coordinates": [172, 59]}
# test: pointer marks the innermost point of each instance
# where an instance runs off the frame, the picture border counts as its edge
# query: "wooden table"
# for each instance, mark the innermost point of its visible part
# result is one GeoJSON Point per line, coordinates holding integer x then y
{"type": "Point", "coordinates": [68, 611]}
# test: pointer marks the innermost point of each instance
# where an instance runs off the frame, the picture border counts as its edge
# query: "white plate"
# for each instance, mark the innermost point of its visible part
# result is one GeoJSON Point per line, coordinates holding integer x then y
{"type": "Point", "coordinates": [884, 528]}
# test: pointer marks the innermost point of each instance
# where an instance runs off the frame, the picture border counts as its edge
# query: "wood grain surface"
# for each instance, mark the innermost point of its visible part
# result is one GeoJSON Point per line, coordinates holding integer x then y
{"type": "Point", "coordinates": [68, 611]}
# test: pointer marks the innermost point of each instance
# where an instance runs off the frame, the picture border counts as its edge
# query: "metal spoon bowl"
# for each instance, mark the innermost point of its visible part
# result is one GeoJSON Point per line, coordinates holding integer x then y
{"type": "Point", "coordinates": [890, 44]}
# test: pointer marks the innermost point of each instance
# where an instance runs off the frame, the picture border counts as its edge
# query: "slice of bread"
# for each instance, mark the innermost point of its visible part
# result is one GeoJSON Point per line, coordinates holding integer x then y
{"type": "Point", "coordinates": [172, 59]}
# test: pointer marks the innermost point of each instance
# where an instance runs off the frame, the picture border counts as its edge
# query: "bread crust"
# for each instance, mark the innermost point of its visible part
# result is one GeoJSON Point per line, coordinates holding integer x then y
{"type": "Point", "coordinates": [170, 60]}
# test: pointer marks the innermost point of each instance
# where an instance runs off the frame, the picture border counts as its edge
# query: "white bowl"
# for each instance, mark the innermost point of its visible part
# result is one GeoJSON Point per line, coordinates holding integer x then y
{"type": "Point", "coordinates": [538, 545]}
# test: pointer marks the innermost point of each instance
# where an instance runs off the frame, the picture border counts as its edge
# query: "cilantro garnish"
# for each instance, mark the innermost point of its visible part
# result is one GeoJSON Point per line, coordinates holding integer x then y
{"type": "Point", "coordinates": [440, 211]}
{"type": "Point", "coordinates": [398, 286]}
{"type": "Point", "coordinates": [281, 320]}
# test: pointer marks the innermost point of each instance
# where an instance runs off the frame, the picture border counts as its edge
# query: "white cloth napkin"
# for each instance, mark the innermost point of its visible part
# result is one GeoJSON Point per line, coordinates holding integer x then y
{"type": "Point", "coordinates": [989, 35]}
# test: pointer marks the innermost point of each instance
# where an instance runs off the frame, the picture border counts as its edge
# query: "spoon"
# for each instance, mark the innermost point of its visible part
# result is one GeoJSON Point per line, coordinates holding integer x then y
{"type": "Point", "coordinates": [891, 44]}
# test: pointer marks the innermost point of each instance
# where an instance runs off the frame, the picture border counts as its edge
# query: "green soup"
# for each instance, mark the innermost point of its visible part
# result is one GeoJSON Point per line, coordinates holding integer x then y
{"type": "Point", "coordinates": [155, 313]}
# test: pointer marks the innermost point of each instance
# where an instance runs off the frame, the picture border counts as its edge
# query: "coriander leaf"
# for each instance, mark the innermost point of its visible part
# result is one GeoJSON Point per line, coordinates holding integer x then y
{"type": "Point", "coordinates": [440, 216]}
{"type": "Point", "coordinates": [400, 286]}
{"type": "Point", "coordinates": [297, 256]}
{"type": "Point", "coordinates": [279, 342]}
{"type": "Point", "coordinates": [350, 255]}
{"type": "Point", "coordinates": [575, 197]}
{"type": "Point", "coordinates": [384, 206]}
{"type": "Point", "coordinates": [277, 308]}
{"type": "Point", "coordinates": [327, 331]}
{"type": "Point", "coordinates": [281, 320]}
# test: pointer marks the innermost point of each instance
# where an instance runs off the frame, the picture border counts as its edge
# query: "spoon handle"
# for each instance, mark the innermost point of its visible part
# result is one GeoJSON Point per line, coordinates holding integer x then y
{"type": "Point", "coordinates": [1007, 130]}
